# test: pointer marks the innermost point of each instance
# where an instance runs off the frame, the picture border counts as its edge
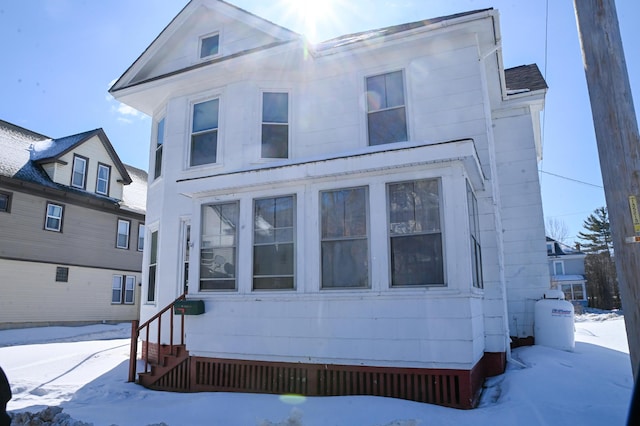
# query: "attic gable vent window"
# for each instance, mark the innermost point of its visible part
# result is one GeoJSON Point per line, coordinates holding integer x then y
{"type": "Point", "coordinates": [209, 46]}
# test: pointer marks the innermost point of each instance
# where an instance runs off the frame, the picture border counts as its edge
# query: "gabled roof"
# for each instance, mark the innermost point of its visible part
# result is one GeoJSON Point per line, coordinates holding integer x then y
{"type": "Point", "coordinates": [524, 78]}
{"type": "Point", "coordinates": [51, 150]}
{"type": "Point", "coordinates": [23, 152]}
{"type": "Point", "coordinates": [386, 31]}
{"type": "Point", "coordinates": [284, 34]}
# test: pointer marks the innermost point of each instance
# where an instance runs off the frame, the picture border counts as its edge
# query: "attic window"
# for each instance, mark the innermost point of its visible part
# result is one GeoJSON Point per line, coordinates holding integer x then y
{"type": "Point", "coordinates": [209, 46]}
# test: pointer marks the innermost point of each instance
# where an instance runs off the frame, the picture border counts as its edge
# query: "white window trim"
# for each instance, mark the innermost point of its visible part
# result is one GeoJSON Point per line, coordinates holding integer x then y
{"type": "Point", "coordinates": [318, 194]}
{"type": "Point", "coordinates": [84, 172]}
{"type": "Point", "coordinates": [158, 148]}
{"type": "Point", "coordinates": [141, 235]}
{"type": "Point", "coordinates": [98, 180]}
{"type": "Point", "coordinates": [129, 281]}
{"type": "Point", "coordinates": [149, 231]}
{"type": "Point", "coordinates": [199, 46]}
{"type": "Point", "coordinates": [198, 249]}
{"type": "Point", "coordinates": [126, 246]}
{"type": "Point", "coordinates": [289, 93]}
{"type": "Point", "coordinates": [47, 216]}
{"type": "Point", "coordinates": [220, 146]}
{"type": "Point", "coordinates": [294, 240]}
{"type": "Point", "coordinates": [441, 201]}
{"type": "Point", "coordinates": [405, 87]}
{"type": "Point", "coordinates": [559, 262]}
{"type": "Point", "coordinates": [119, 287]}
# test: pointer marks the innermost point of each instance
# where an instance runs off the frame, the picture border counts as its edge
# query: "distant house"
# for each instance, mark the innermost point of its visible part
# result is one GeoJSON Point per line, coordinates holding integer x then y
{"type": "Point", "coordinates": [362, 216]}
{"type": "Point", "coordinates": [72, 220]}
{"type": "Point", "coordinates": [566, 267]}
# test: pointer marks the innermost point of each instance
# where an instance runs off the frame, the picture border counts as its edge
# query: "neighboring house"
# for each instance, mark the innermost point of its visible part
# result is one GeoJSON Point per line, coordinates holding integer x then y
{"type": "Point", "coordinates": [71, 229]}
{"type": "Point", "coordinates": [362, 216]}
{"type": "Point", "coordinates": [566, 267]}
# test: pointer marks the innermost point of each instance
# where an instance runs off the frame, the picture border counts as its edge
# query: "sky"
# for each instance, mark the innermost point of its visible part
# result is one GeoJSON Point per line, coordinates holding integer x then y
{"type": "Point", "coordinates": [61, 56]}
{"type": "Point", "coordinates": [84, 371]}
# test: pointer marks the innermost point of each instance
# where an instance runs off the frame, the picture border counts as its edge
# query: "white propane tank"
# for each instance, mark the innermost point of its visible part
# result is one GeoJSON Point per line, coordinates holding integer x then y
{"type": "Point", "coordinates": [554, 322]}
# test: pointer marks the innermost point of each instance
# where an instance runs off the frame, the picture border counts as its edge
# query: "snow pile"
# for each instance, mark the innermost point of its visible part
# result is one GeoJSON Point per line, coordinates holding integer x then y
{"type": "Point", "coordinates": [50, 416]}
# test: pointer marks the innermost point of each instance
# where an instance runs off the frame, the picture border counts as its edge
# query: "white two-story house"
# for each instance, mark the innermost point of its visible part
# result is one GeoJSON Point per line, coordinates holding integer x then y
{"type": "Point", "coordinates": [360, 216]}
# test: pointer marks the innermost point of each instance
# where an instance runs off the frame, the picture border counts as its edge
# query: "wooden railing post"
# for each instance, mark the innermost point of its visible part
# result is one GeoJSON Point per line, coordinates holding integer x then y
{"type": "Point", "coordinates": [135, 334]}
{"type": "Point", "coordinates": [133, 350]}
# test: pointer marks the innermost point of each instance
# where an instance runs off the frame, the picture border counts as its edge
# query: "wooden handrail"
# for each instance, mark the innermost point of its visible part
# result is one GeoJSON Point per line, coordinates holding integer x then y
{"type": "Point", "coordinates": [135, 335]}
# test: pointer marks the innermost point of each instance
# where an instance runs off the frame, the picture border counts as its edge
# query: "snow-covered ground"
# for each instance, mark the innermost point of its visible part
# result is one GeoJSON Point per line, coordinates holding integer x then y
{"type": "Point", "coordinates": [84, 371]}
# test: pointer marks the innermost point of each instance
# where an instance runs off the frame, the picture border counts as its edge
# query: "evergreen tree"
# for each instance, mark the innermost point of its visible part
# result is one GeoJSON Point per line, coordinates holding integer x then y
{"type": "Point", "coordinates": [598, 236]}
{"type": "Point", "coordinates": [600, 271]}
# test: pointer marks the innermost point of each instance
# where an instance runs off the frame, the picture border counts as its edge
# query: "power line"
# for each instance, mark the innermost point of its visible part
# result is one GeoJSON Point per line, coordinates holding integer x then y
{"type": "Point", "coordinates": [571, 179]}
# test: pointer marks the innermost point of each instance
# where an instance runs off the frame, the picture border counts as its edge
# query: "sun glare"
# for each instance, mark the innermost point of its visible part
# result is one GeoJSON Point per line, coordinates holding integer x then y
{"type": "Point", "coordinates": [310, 13]}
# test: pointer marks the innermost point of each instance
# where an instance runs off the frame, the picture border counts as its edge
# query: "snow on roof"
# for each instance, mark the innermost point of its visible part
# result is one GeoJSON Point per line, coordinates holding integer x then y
{"type": "Point", "coordinates": [134, 195]}
{"type": "Point", "coordinates": [568, 278]}
{"type": "Point", "coordinates": [53, 148]}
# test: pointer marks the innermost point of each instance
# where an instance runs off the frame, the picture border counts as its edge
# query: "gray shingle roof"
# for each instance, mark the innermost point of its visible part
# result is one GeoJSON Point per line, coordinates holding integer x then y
{"type": "Point", "coordinates": [524, 78]}
{"type": "Point", "coordinates": [22, 152]}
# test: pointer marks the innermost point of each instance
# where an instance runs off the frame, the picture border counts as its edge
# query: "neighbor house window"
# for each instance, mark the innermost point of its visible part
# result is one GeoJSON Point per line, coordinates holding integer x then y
{"type": "Point", "coordinates": [62, 274]}
{"type": "Point", "coordinates": [218, 246]}
{"type": "Point", "coordinates": [53, 221]}
{"type": "Point", "coordinates": [386, 110]}
{"type": "Point", "coordinates": [344, 241]}
{"type": "Point", "coordinates": [273, 243]}
{"type": "Point", "coordinates": [102, 180]}
{"type": "Point", "coordinates": [116, 289]}
{"type": "Point", "coordinates": [79, 172]}
{"type": "Point", "coordinates": [573, 291]}
{"type": "Point", "coordinates": [209, 46]}
{"type": "Point", "coordinates": [123, 287]}
{"type": "Point", "coordinates": [558, 267]}
{"type": "Point", "coordinates": [275, 125]}
{"type": "Point", "coordinates": [159, 144]}
{"type": "Point", "coordinates": [140, 236]}
{"type": "Point", "coordinates": [474, 228]}
{"type": "Point", "coordinates": [122, 240]}
{"type": "Point", "coordinates": [153, 267]}
{"type": "Point", "coordinates": [204, 133]}
{"type": "Point", "coordinates": [5, 202]}
{"type": "Point", "coordinates": [415, 233]}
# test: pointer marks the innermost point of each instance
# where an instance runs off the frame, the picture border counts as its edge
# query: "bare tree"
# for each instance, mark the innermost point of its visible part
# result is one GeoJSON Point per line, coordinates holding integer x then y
{"type": "Point", "coordinates": [556, 229]}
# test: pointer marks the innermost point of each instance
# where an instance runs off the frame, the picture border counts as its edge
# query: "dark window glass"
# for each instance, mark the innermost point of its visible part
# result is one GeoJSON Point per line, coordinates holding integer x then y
{"type": "Point", "coordinates": [209, 46]}
{"type": "Point", "coordinates": [386, 119]}
{"type": "Point", "coordinates": [62, 274]}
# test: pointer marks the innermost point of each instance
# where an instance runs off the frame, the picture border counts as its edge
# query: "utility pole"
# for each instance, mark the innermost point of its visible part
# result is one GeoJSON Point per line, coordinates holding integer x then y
{"type": "Point", "coordinates": [618, 142]}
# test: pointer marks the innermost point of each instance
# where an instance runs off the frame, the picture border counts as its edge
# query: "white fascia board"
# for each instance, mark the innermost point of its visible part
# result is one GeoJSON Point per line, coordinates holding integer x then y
{"type": "Point", "coordinates": [376, 162]}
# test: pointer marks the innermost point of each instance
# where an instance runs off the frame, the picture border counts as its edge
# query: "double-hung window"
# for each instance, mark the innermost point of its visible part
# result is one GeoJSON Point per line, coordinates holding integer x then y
{"type": "Point", "coordinates": [159, 144]}
{"type": "Point", "coordinates": [273, 243]}
{"type": "Point", "coordinates": [53, 220]}
{"type": "Point", "coordinates": [123, 288]}
{"type": "Point", "coordinates": [79, 172]}
{"type": "Point", "coordinates": [153, 268]}
{"type": "Point", "coordinates": [218, 246]}
{"type": "Point", "coordinates": [275, 125]}
{"type": "Point", "coordinates": [102, 180]}
{"type": "Point", "coordinates": [415, 233]}
{"type": "Point", "coordinates": [344, 242]}
{"type": "Point", "coordinates": [474, 229]}
{"type": "Point", "coordinates": [140, 236]}
{"type": "Point", "coordinates": [204, 133]}
{"type": "Point", "coordinates": [122, 240]}
{"type": "Point", "coordinates": [386, 110]}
